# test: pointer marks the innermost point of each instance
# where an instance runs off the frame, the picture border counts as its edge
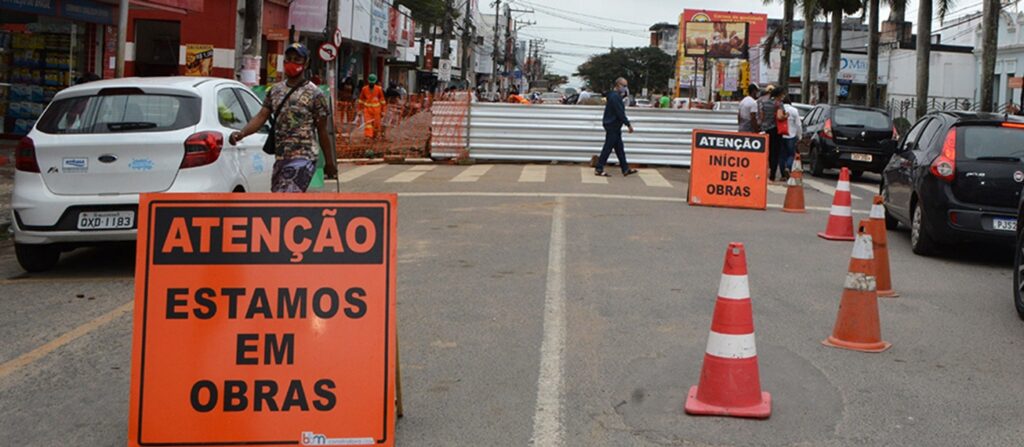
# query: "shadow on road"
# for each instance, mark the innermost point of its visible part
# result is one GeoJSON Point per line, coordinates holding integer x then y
{"type": "Point", "coordinates": [986, 255]}
{"type": "Point", "coordinates": [113, 261]}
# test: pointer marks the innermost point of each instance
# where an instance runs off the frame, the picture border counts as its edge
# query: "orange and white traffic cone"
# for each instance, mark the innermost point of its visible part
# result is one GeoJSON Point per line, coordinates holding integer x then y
{"type": "Point", "coordinates": [857, 327]}
{"type": "Point", "coordinates": [840, 218]}
{"type": "Point", "coordinates": [730, 384]}
{"type": "Point", "coordinates": [795, 192]}
{"type": "Point", "coordinates": [881, 244]}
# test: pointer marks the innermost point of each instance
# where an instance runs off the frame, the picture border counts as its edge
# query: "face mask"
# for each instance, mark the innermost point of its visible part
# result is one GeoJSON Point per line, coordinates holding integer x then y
{"type": "Point", "coordinates": [293, 69]}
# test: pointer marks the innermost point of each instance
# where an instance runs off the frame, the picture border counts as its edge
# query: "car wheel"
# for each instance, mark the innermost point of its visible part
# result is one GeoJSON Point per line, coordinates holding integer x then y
{"type": "Point", "coordinates": [37, 258]}
{"type": "Point", "coordinates": [1018, 277]}
{"type": "Point", "coordinates": [890, 221]}
{"type": "Point", "coordinates": [814, 158]}
{"type": "Point", "coordinates": [921, 242]}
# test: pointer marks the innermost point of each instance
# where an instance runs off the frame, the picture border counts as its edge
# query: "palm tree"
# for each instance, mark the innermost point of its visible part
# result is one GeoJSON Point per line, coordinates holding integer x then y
{"type": "Point", "coordinates": [837, 8]}
{"type": "Point", "coordinates": [784, 35]}
{"type": "Point", "coordinates": [924, 48]}
{"type": "Point", "coordinates": [811, 9]}
{"type": "Point", "coordinates": [896, 7]}
{"type": "Point", "coordinates": [989, 45]}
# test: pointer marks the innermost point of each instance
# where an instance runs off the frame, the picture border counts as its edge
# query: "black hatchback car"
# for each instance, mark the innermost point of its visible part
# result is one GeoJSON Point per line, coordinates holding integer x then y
{"type": "Point", "coordinates": [855, 137]}
{"type": "Point", "coordinates": [956, 177]}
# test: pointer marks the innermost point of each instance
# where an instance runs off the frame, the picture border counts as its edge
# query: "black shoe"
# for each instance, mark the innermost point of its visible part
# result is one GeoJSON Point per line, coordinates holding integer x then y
{"type": "Point", "coordinates": [627, 173]}
{"type": "Point", "coordinates": [602, 174]}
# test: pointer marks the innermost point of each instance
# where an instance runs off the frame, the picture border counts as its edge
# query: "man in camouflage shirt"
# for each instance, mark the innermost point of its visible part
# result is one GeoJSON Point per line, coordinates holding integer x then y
{"type": "Point", "coordinates": [304, 106]}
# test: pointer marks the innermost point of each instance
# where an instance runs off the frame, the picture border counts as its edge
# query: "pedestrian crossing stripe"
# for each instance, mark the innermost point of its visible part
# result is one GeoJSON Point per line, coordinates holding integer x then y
{"type": "Point", "coordinates": [587, 176]}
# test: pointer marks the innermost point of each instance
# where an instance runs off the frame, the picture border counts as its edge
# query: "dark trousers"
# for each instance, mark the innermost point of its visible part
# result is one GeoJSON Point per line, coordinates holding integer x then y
{"type": "Point", "coordinates": [774, 149]}
{"type": "Point", "coordinates": [613, 140]}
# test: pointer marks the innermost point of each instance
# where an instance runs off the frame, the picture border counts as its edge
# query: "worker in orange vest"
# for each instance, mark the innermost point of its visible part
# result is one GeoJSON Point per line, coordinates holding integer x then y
{"type": "Point", "coordinates": [371, 101]}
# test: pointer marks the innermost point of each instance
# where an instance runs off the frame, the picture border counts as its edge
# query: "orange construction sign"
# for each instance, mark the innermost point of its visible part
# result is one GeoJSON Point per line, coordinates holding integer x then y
{"type": "Point", "coordinates": [728, 169]}
{"type": "Point", "coordinates": [264, 319]}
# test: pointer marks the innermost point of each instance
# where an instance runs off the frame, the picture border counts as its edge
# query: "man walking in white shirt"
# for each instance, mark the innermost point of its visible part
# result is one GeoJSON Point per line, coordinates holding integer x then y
{"type": "Point", "coordinates": [746, 117]}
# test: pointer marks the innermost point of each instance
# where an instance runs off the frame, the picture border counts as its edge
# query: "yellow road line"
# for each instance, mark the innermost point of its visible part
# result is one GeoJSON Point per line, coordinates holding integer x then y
{"type": "Point", "coordinates": [30, 357]}
{"type": "Point", "coordinates": [31, 280]}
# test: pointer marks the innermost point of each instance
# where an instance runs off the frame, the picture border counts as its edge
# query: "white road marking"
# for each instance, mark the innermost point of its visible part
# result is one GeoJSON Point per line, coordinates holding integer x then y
{"type": "Point", "coordinates": [776, 189]}
{"type": "Point", "coordinates": [587, 176]}
{"type": "Point", "coordinates": [653, 178]}
{"type": "Point", "coordinates": [555, 195]}
{"type": "Point", "coordinates": [359, 171]}
{"type": "Point", "coordinates": [533, 174]}
{"type": "Point", "coordinates": [472, 173]}
{"type": "Point", "coordinates": [410, 174]}
{"type": "Point", "coordinates": [869, 188]}
{"type": "Point", "coordinates": [547, 418]}
{"type": "Point", "coordinates": [827, 190]}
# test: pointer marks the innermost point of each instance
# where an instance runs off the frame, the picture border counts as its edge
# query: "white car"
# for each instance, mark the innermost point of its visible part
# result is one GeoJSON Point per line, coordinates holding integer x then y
{"type": "Point", "coordinates": [98, 145]}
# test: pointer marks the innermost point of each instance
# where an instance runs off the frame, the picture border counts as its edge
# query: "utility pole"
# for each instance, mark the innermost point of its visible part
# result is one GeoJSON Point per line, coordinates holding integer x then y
{"type": "Point", "coordinates": [494, 56]}
{"type": "Point", "coordinates": [122, 36]}
{"type": "Point", "coordinates": [252, 43]}
{"type": "Point", "coordinates": [446, 34]}
{"type": "Point", "coordinates": [468, 31]}
{"type": "Point", "coordinates": [989, 43]}
{"type": "Point", "coordinates": [332, 66]}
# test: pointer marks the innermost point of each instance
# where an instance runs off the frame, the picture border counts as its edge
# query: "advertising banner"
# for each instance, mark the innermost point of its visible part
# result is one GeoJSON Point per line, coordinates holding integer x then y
{"type": "Point", "coordinates": [379, 24]}
{"type": "Point", "coordinates": [198, 60]}
{"type": "Point", "coordinates": [717, 40]}
{"type": "Point", "coordinates": [308, 15]}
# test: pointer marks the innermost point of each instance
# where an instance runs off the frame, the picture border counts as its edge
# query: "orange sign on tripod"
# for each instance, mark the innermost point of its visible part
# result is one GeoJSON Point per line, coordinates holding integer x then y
{"type": "Point", "coordinates": [728, 169]}
{"type": "Point", "coordinates": [264, 320]}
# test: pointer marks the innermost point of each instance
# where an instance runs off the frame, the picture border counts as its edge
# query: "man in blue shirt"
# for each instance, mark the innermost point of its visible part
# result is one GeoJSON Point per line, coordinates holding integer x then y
{"type": "Point", "coordinates": [614, 119]}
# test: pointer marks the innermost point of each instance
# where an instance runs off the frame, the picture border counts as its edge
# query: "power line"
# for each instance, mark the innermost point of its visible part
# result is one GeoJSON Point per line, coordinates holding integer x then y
{"type": "Point", "coordinates": [566, 11]}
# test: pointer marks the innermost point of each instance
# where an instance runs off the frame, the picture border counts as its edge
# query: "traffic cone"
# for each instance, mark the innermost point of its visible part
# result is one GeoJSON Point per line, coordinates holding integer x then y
{"type": "Point", "coordinates": [795, 192]}
{"type": "Point", "coordinates": [840, 218]}
{"type": "Point", "coordinates": [857, 327]}
{"type": "Point", "coordinates": [881, 244]}
{"type": "Point", "coordinates": [730, 384]}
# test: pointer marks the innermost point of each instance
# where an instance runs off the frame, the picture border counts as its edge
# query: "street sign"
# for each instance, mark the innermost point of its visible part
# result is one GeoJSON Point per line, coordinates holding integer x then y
{"type": "Point", "coordinates": [328, 52]}
{"type": "Point", "coordinates": [444, 70]}
{"type": "Point", "coordinates": [264, 320]}
{"type": "Point", "coordinates": [728, 169]}
{"type": "Point", "coordinates": [337, 38]}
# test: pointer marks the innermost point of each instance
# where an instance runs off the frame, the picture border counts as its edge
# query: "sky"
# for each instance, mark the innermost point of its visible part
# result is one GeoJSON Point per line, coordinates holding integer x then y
{"type": "Point", "coordinates": [576, 29]}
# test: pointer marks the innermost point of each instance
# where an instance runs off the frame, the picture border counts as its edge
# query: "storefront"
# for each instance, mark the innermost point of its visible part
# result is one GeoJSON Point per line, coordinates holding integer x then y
{"type": "Point", "coordinates": [45, 47]}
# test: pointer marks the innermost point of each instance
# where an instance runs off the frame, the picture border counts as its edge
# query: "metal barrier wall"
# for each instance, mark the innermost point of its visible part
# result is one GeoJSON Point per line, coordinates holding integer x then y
{"type": "Point", "coordinates": [574, 133]}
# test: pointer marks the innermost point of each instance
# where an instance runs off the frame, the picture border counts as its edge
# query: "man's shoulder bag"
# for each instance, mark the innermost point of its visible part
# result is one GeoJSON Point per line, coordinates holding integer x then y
{"type": "Point", "coordinates": [270, 146]}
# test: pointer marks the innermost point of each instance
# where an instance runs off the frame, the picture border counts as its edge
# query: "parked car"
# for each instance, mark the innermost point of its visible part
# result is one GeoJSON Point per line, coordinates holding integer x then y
{"type": "Point", "coordinates": [1018, 264]}
{"type": "Point", "coordinates": [802, 109]}
{"type": "Point", "coordinates": [97, 146]}
{"type": "Point", "coordinates": [855, 137]}
{"type": "Point", "coordinates": [643, 102]}
{"type": "Point", "coordinates": [551, 98]}
{"type": "Point", "coordinates": [956, 177]}
{"type": "Point", "coordinates": [727, 106]}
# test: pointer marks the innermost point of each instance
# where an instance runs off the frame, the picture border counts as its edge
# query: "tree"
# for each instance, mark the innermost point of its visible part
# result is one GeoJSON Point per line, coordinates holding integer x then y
{"type": "Point", "coordinates": [896, 8]}
{"type": "Point", "coordinates": [643, 67]}
{"type": "Point", "coordinates": [837, 8]}
{"type": "Point", "coordinates": [428, 12]}
{"type": "Point", "coordinates": [989, 47]}
{"type": "Point", "coordinates": [784, 34]}
{"type": "Point", "coordinates": [555, 80]}
{"type": "Point", "coordinates": [924, 48]}
{"type": "Point", "coordinates": [811, 9]}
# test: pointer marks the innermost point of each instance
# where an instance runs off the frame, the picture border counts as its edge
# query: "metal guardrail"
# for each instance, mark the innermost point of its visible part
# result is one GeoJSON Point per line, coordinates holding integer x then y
{"type": "Point", "coordinates": [574, 134]}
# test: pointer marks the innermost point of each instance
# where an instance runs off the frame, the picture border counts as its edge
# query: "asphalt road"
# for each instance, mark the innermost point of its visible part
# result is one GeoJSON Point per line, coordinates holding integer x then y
{"type": "Point", "coordinates": [534, 306]}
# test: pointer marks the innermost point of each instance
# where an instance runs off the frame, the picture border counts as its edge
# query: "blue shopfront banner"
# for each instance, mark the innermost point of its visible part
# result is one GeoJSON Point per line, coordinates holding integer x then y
{"type": "Point", "coordinates": [82, 10]}
{"type": "Point", "coordinates": [47, 7]}
{"type": "Point", "coordinates": [87, 11]}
